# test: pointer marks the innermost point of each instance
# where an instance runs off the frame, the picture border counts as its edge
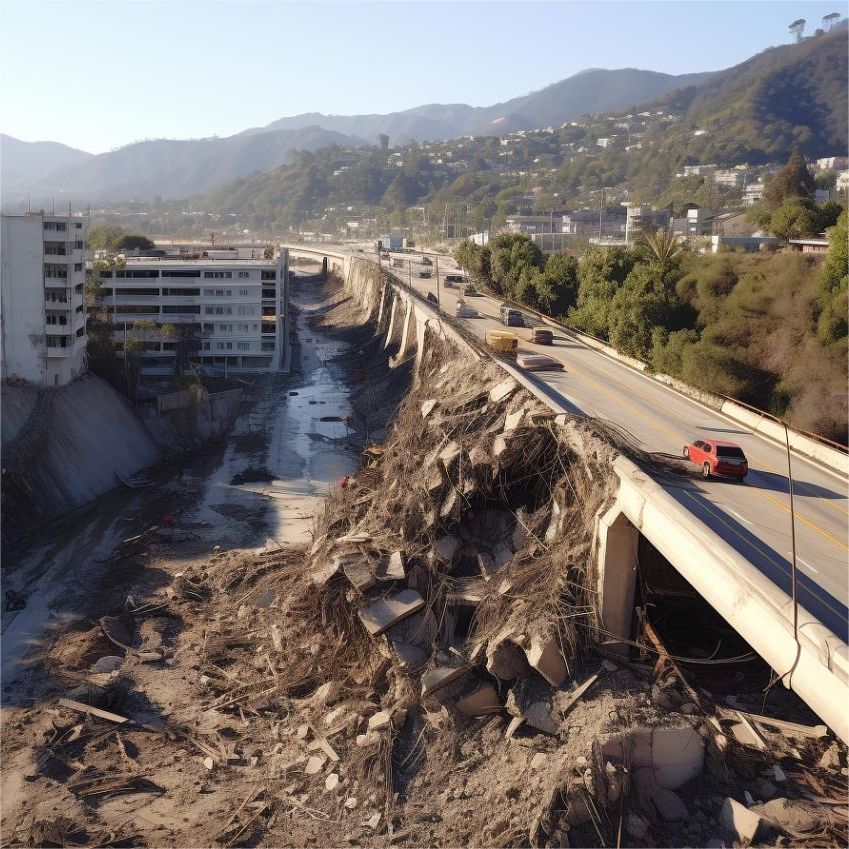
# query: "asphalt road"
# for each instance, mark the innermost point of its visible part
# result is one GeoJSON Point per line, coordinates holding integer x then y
{"type": "Point", "coordinates": [754, 516]}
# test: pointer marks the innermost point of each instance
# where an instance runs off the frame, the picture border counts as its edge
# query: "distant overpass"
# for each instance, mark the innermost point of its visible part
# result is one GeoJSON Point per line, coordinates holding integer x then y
{"type": "Point", "coordinates": [731, 542]}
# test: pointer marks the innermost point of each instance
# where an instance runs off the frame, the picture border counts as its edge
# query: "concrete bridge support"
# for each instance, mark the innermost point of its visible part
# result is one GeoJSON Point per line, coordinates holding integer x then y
{"type": "Point", "coordinates": [408, 333]}
{"type": "Point", "coordinates": [616, 550]}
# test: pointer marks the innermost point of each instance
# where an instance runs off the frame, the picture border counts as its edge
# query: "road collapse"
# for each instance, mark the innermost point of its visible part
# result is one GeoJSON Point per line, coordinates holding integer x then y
{"type": "Point", "coordinates": [429, 671]}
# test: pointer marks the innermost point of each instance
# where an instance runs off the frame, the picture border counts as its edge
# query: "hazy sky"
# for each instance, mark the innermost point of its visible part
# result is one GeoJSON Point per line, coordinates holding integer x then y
{"type": "Point", "coordinates": [97, 75]}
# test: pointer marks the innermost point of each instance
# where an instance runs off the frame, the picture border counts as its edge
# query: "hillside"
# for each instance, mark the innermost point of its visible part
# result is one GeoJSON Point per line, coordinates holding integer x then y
{"type": "Point", "coordinates": [170, 168]}
{"type": "Point", "coordinates": [594, 90]}
{"type": "Point", "coordinates": [757, 111]}
{"type": "Point", "coordinates": [25, 163]}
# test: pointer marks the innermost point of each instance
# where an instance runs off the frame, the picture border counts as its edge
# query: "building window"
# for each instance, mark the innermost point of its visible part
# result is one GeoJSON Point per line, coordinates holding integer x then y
{"type": "Point", "coordinates": [58, 226]}
{"type": "Point", "coordinates": [209, 310]}
{"type": "Point", "coordinates": [206, 346]}
{"type": "Point", "coordinates": [78, 266]}
{"type": "Point", "coordinates": [78, 245]}
{"type": "Point", "coordinates": [78, 225]}
{"type": "Point", "coordinates": [243, 293]}
{"type": "Point", "coordinates": [55, 249]}
{"type": "Point", "coordinates": [243, 346]}
{"type": "Point", "coordinates": [225, 328]}
{"type": "Point", "coordinates": [217, 275]}
{"type": "Point", "coordinates": [209, 293]}
{"type": "Point", "coordinates": [59, 272]}
{"type": "Point", "coordinates": [229, 346]}
{"type": "Point", "coordinates": [244, 328]}
{"type": "Point", "coordinates": [269, 275]}
{"type": "Point", "coordinates": [244, 275]}
{"type": "Point", "coordinates": [228, 293]}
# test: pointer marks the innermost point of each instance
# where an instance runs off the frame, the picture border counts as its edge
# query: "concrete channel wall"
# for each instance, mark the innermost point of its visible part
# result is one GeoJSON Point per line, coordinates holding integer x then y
{"type": "Point", "coordinates": [816, 666]}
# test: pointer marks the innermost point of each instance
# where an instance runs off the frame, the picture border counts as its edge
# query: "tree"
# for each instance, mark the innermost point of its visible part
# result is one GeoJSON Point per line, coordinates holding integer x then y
{"type": "Point", "coordinates": [794, 180]}
{"type": "Point", "coordinates": [602, 273]}
{"type": "Point", "coordinates": [834, 282]}
{"type": "Point", "coordinates": [661, 246]}
{"type": "Point", "coordinates": [557, 286]}
{"type": "Point", "coordinates": [795, 218]}
{"type": "Point", "coordinates": [511, 256]}
{"type": "Point", "coordinates": [131, 242]}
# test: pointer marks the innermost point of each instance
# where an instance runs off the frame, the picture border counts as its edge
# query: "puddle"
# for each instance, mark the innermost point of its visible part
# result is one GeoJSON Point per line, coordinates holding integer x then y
{"type": "Point", "coordinates": [304, 451]}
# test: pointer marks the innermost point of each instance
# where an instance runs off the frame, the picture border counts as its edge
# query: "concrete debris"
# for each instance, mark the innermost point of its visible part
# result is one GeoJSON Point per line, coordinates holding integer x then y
{"type": "Point", "coordinates": [392, 568]}
{"type": "Point", "coordinates": [315, 764]}
{"type": "Point", "coordinates": [502, 390]}
{"type": "Point", "coordinates": [440, 676]}
{"type": "Point", "coordinates": [327, 693]}
{"type": "Point", "coordinates": [675, 755]}
{"type": "Point", "coordinates": [374, 821]}
{"type": "Point", "coordinates": [545, 656]}
{"type": "Point", "coordinates": [331, 782]}
{"type": "Point", "coordinates": [537, 761]}
{"type": "Point", "coordinates": [427, 408]}
{"type": "Point", "coordinates": [107, 664]}
{"type": "Point", "coordinates": [481, 701]}
{"type": "Point", "coordinates": [795, 816]}
{"type": "Point", "coordinates": [505, 660]}
{"type": "Point", "coordinates": [379, 721]}
{"type": "Point", "coordinates": [365, 741]}
{"type": "Point", "coordinates": [766, 789]}
{"type": "Point", "coordinates": [669, 805]}
{"type": "Point", "coordinates": [739, 820]}
{"type": "Point", "coordinates": [514, 420]}
{"type": "Point", "coordinates": [351, 803]}
{"type": "Point", "coordinates": [533, 704]}
{"type": "Point", "coordinates": [385, 612]}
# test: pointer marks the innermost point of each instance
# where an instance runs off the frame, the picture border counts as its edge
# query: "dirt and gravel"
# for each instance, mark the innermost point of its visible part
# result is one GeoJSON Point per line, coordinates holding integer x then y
{"type": "Point", "coordinates": [413, 660]}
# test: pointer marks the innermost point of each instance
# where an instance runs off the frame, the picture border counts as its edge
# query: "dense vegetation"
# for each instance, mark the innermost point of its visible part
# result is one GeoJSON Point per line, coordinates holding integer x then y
{"type": "Point", "coordinates": [767, 329]}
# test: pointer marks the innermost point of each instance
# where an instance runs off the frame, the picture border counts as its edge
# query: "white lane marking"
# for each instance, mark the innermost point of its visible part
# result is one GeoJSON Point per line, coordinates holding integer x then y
{"type": "Point", "coordinates": [803, 562]}
{"type": "Point", "coordinates": [735, 513]}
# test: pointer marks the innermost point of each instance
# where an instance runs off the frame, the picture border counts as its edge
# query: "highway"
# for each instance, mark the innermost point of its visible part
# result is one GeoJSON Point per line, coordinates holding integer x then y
{"type": "Point", "coordinates": [754, 517]}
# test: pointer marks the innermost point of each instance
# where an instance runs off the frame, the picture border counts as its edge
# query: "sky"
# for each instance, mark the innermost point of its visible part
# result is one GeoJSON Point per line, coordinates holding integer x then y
{"type": "Point", "coordinates": [99, 75]}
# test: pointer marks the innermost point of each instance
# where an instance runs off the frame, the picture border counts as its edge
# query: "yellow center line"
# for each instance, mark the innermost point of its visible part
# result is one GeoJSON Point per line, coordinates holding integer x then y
{"type": "Point", "coordinates": [761, 464]}
{"type": "Point", "coordinates": [661, 426]}
{"type": "Point", "coordinates": [758, 546]}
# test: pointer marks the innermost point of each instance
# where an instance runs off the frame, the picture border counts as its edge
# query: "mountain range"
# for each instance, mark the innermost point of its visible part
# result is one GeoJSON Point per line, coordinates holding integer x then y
{"type": "Point", "coordinates": [756, 111]}
{"type": "Point", "coordinates": [173, 168]}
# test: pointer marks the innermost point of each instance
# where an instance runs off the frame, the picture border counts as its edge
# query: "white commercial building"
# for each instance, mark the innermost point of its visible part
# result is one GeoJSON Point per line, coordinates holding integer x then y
{"type": "Point", "coordinates": [229, 315]}
{"type": "Point", "coordinates": [42, 288]}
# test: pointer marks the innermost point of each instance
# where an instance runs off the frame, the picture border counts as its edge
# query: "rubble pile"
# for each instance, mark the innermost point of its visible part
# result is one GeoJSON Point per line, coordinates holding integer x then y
{"type": "Point", "coordinates": [424, 673]}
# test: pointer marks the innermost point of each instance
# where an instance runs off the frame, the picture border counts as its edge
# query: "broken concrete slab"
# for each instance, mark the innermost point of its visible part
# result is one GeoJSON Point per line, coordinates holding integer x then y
{"type": "Point", "coordinates": [669, 805]}
{"type": "Point", "coordinates": [379, 721]}
{"type": "Point", "coordinates": [739, 820]}
{"type": "Point", "coordinates": [392, 568]}
{"type": "Point", "coordinates": [438, 677]}
{"type": "Point", "coordinates": [385, 612]}
{"type": "Point", "coordinates": [502, 390]}
{"type": "Point", "coordinates": [327, 693]}
{"type": "Point", "coordinates": [545, 656]}
{"type": "Point", "coordinates": [428, 407]}
{"type": "Point", "coordinates": [506, 661]}
{"type": "Point", "coordinates": [481, 701]}
{"type": "Point", "coordinates": [358, 571]}
{"type": "Point", "coordinates": [331, 782]}
{"type": "Point", "coordinates": [514, 420]}
{"type": "Point", "coordinates": [678, 755]}
{"type": "Point", "coordinates": [531, 701]}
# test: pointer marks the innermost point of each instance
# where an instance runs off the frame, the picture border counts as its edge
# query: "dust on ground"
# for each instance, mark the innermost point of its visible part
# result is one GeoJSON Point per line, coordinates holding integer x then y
{"type": "Point", "coordinates": [424, 669]}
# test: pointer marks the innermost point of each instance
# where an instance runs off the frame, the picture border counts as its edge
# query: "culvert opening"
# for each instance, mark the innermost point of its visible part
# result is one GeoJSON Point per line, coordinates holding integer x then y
{"type": "Point", "coordinates": [713, 655]}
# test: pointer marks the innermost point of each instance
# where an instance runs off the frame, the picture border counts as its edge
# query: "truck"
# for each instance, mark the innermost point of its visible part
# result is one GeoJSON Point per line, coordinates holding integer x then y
{"type": "Point", "coordinates": [390, 242]}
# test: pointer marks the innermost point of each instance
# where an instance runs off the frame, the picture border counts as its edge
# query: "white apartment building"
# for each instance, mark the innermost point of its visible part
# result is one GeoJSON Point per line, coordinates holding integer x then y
{"type": "Point", "coordinates": [42, 297]}
{"type": "Point", "coordinates": [228, 314]}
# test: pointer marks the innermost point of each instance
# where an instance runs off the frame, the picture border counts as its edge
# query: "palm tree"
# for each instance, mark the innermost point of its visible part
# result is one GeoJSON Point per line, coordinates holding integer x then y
{"type": "Point", "coordinates": [662, 246]}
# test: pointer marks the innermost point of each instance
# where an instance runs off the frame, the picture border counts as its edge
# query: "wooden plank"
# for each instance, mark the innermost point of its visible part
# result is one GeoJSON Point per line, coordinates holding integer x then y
{"type": "Point", "coordinates": [386, 612]}
{"type": "Point", "coordinates": [576, 694]}
{"type": "Point", "coordinates": [102, 714]}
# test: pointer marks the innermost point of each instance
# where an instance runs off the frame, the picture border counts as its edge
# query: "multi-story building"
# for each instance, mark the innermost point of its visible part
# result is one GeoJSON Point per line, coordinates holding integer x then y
{"type": "Point", "coordinates": [42, 288]}
{"type": "Point", "coordinates": [229, 314]}
{"type": "Point", "coordinates": [549, 222]}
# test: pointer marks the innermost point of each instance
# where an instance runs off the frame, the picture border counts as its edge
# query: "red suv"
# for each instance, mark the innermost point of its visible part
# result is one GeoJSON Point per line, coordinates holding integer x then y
{"type": "Point", "coordinates": [720, 459]}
